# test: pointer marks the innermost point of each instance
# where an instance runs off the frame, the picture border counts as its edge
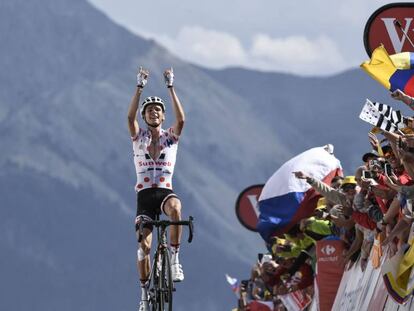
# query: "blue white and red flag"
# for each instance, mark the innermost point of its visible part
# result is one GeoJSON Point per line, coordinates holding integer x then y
{"type": "Point", "coordinates": [234, 283]}
{"type": "Point", "coordinates": [285, 199]}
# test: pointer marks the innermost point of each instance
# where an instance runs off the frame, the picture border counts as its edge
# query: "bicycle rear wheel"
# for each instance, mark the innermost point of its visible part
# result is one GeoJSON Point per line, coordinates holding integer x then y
{"type": "Point", "coordinates": [167, 283]}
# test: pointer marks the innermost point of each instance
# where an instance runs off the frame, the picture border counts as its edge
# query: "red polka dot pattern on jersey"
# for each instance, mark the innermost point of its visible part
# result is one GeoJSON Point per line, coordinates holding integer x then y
{"type": "Point", "coordinates": [154, 172]}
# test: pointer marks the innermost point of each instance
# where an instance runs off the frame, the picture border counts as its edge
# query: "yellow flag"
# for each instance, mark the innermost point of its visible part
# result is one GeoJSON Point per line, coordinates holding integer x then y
{"type": "Point", "coordinates": [380, 67]}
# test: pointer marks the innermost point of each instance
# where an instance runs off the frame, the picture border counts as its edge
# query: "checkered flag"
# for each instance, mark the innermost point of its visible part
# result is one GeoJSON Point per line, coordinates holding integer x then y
{"type": "Point", "coordinates": [382, 116]}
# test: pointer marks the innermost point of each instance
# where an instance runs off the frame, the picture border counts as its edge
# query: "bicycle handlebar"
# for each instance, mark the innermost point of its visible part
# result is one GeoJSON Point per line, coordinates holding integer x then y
{"type": "Point", "coordinates": [164, 224]}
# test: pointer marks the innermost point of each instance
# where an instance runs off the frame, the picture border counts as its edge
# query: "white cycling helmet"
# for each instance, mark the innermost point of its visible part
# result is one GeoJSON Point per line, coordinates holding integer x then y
{"type": "Point", "coordinates": [151, 100]}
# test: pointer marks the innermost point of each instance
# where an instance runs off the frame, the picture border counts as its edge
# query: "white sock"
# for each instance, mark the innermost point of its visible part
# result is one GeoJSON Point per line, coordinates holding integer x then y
{"type": "Point", "coordinates": [144, 293]}
{"type": "Point", "coordinates": [175, 249]}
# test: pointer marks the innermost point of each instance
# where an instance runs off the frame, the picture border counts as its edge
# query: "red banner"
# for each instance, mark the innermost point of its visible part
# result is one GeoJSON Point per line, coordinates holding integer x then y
{"type": "Point", "coordinates": [296, 301]}
{"type": "Point", "coordinates": [330, 267]}
{"type": "Point", "coordinates": [391, 25]}
{"type": "Point", "coordinates": [246, 207]}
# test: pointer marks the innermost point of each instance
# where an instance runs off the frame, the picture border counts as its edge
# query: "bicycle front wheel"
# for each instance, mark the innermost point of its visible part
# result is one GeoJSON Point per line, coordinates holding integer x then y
{"type": "Point", "coordinates": [167, 283]}
{"type": "Point", "coordinates": [154, 289]}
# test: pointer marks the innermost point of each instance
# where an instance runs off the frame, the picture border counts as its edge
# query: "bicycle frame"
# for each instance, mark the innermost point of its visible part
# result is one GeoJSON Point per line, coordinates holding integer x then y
{"type": "Point", "coordinates": [160, 275]}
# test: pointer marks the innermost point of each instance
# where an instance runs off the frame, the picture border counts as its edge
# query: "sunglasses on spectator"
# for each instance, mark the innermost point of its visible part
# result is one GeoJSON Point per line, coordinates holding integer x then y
{"type": "Point", "coordinates": [348, 187]}
{"type": "Point", "coordinates": [374, 163]}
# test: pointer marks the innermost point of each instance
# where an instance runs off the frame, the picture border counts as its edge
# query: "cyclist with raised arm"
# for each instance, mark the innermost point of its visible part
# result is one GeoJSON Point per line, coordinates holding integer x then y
{"type": "Point", "coordinates": [154, 158]}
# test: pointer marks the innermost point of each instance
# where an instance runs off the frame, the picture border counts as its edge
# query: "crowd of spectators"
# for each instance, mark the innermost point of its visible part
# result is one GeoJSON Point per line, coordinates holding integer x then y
{"type": "Point", "coordinates": [375, 203]}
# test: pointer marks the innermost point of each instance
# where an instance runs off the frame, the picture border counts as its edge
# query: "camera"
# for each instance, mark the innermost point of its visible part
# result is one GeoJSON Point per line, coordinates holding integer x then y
{"type": "Point", "coordinates": [366, 174]}
{"type": "Point", "coordinates": [387, 169]}
{"type": "Point", "coordinates": [245, 283]}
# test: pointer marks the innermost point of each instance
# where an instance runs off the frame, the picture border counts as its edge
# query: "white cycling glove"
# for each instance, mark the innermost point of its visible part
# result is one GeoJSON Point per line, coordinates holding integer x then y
{"type": "Point", "coordinates": [169, 77]}
{"type": "Point", "coordinates": [142, 77]}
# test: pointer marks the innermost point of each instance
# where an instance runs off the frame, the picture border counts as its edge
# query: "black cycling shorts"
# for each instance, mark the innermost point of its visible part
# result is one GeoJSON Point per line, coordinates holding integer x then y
{"type": "Point", "coordinates": [150, 202]}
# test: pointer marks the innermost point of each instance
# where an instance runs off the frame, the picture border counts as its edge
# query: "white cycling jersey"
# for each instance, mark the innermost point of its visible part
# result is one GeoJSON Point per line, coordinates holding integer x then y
{"type": "Point", "coordinates": [154, 173]}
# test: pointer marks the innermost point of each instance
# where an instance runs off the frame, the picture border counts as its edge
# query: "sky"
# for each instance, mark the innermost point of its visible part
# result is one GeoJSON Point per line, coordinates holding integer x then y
{"type": "Point", "coordinates": [307, 37]}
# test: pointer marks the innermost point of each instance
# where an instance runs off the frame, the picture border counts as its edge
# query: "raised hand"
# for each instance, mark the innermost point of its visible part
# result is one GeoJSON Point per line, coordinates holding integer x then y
{"type": "Point", "coordinates": [169, 77]}
{"type": "Point", "coordinates": [142, 77]}
{"type": "Point", "coordinates": [393, 181]}
{"type": "Point", "coordinates": [300, 175]}
{"type": "Point", "coordinates": [373, 140]}
{"type": "Point", "coordinates": [398, 95]}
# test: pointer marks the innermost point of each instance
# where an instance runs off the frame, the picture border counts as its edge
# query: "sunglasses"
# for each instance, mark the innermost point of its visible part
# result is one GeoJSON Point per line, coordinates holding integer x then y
{"type": "Point", "coordinates": [348, 187]}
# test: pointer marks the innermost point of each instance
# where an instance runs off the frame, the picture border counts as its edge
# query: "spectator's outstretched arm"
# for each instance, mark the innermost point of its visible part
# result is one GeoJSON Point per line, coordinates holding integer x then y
{"type": "Point", "coordinates": [393, 139]}
{"type": "Point", "coordinates": [393, 183]}
{"type": "Point", "coordinates": [407, 159]}
{"type": "Point", "coordinates": [356, 244]}
{"type": "Point", "coordinates": [328, 192]}
{"type": "Point", "coordinates": [407, 191]}
{"type": "Point", "coordinates": [400, 95]}
{"type": "Point", "coordinates": [133, 126]}
{"type": "Point", "coordinates": [342, 222]}
{"type": "Point", "coordinates": [373, 140]}
{"type": "Point", "coordinates": [176, 104]}
{"type": "Point", "coordinates": [392, 212]}
{"type": "Point", "coordinates": [400, 227]}
{"type": "Point", "coordinates": [382, 193]}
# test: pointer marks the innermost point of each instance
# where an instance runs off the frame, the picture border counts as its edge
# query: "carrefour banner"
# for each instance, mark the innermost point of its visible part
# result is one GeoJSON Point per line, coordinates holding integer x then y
{"type": "Point", "coordinates": [329, 271]}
